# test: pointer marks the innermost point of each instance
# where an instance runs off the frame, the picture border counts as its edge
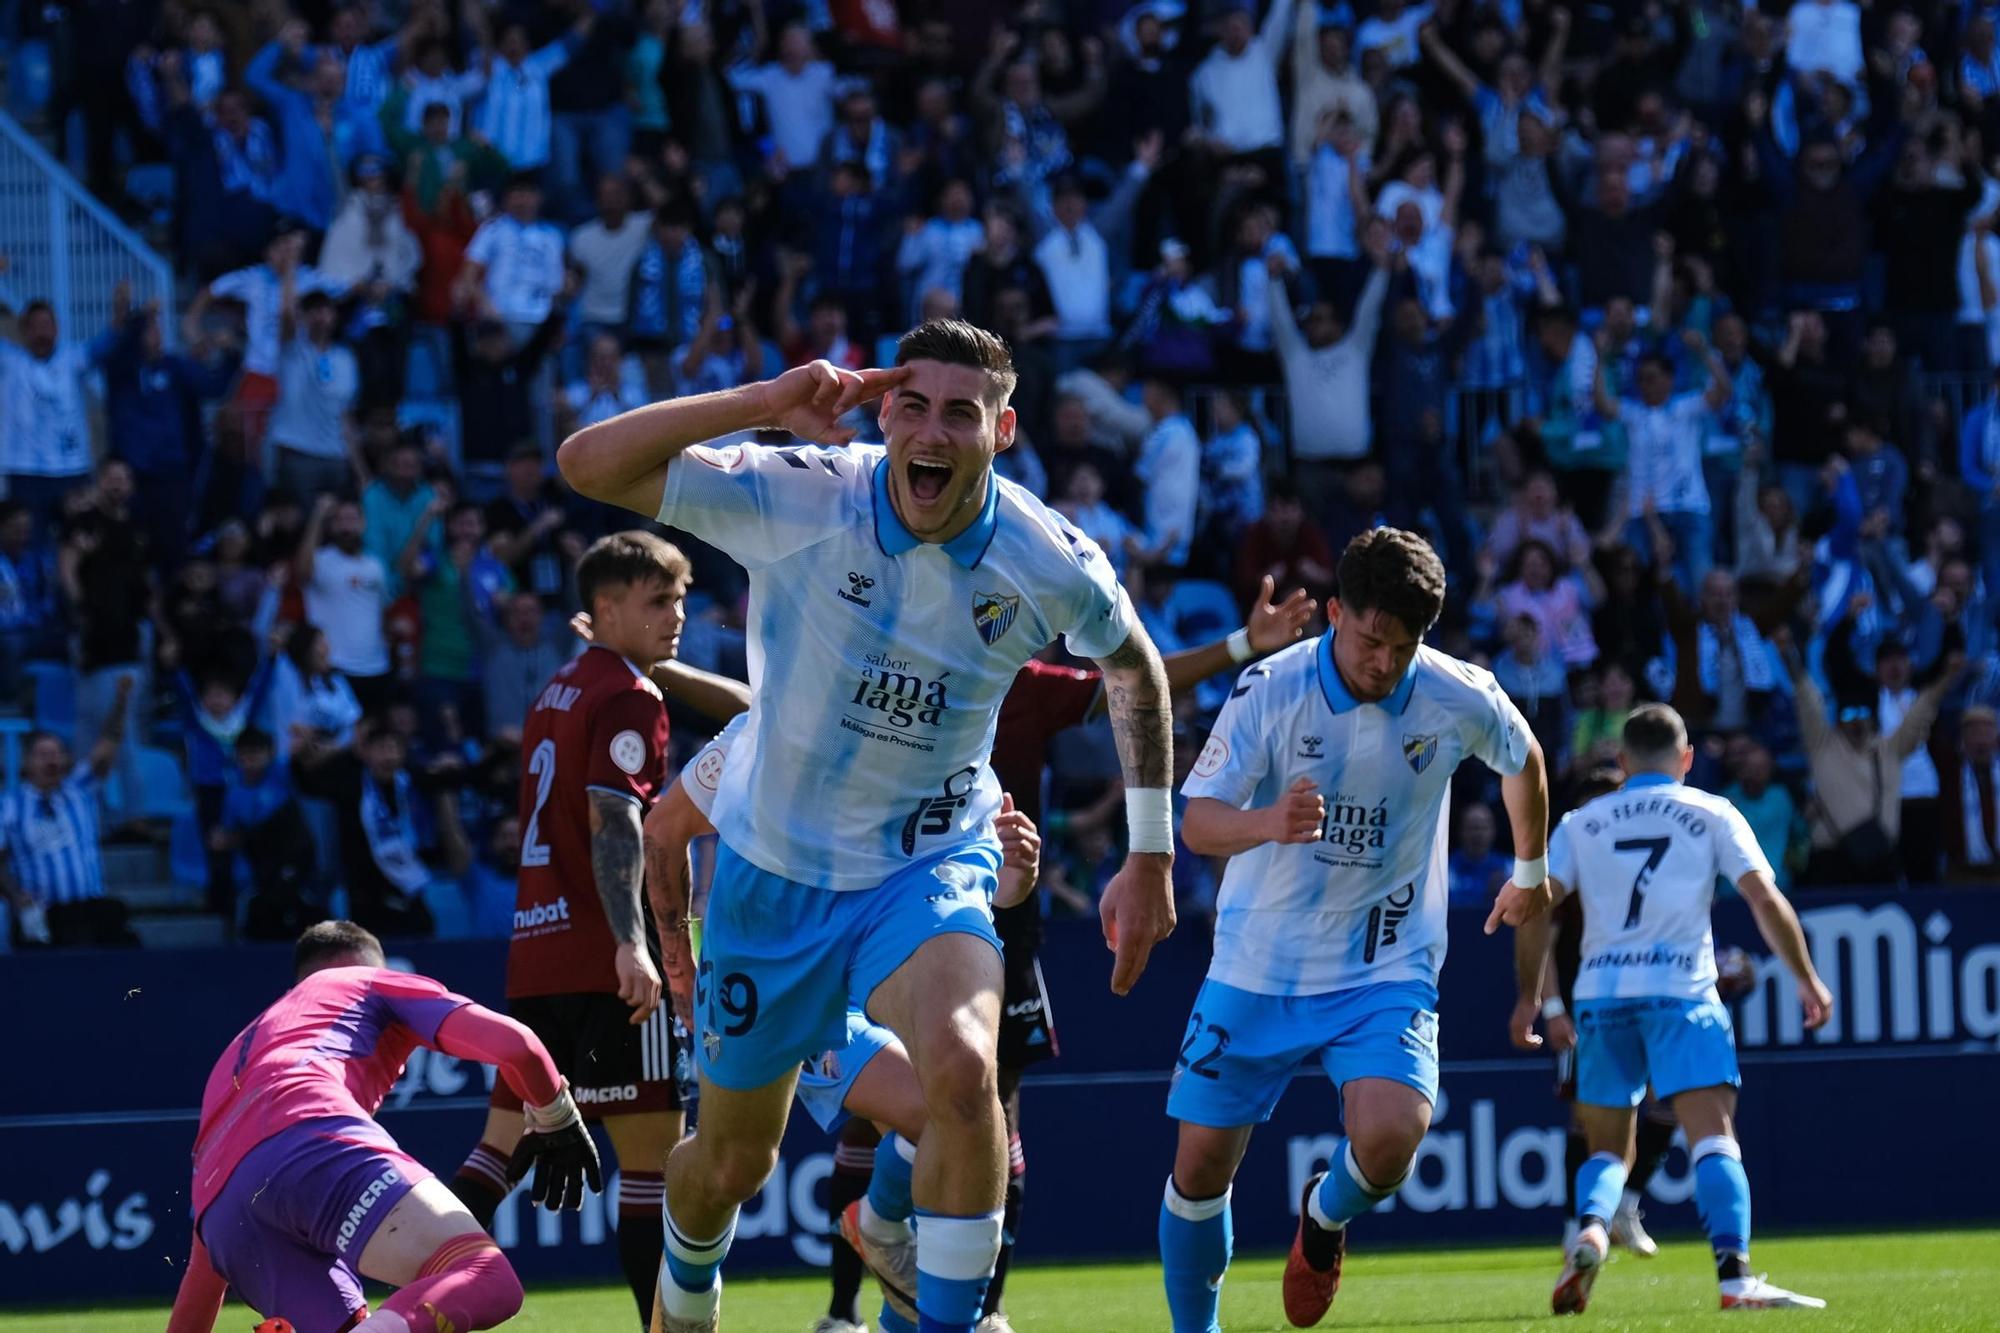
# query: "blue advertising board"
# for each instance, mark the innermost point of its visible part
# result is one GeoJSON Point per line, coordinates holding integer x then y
{"type": "Point", "coordinates": [109, 1051]}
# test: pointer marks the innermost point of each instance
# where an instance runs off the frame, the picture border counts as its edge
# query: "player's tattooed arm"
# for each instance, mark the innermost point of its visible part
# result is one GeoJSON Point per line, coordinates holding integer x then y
{"type": "Point", "coordinates": [617, 862]}
{"type": "Point", "coordinates": [1140, 702]}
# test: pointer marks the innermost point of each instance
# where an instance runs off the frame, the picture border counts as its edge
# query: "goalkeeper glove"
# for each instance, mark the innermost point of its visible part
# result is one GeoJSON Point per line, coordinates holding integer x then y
{"type": "Point", "coordinates": [559, 1148]}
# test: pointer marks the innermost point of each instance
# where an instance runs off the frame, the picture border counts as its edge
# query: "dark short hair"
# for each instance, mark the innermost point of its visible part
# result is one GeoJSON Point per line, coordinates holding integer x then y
{"type": "Point", "coordinates": [315, 300]}
{"type": "Point", "coordinates": [254, 738]}
{"type": "Point", "coordinates": [1595, 783]}
{"type": "Point", "coordinates": [1654, 732]}
{"type": "Point", "coordinates": [957, 343]}
{"type": "Point", "coordinates": [625, 558]}
{"type": "Point", "coordinates": [525, 449]}
{"type": "Point", "coordinates": [38, 306]}
{"type": "Point", "coordinates": [328, 940]}
{"type": "Point", "coordinates": [1394, 572]}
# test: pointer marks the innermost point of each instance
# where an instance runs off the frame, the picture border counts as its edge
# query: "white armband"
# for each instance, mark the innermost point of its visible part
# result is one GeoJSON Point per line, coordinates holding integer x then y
{"type": "Point", "coordinates": [1239, 646]}
{"type": "Point", "coordinates": [1531, 874]}
{"type": "Point", "coordinates": [1149, 819]}
{"type": "Point", "coordinates": [1553, 1007]}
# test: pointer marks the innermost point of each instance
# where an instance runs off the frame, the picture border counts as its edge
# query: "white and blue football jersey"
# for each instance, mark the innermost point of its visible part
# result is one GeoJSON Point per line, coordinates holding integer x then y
{"type": "Point", "coordinates": [878, 661]}
{"type": "Point", "coordinates": [1365, 901]}
{"type": "Point", "coordinates": [1644, 859]}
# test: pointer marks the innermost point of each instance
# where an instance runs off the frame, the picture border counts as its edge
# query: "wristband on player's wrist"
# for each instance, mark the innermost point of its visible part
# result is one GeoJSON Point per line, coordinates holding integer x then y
{"type": "Point", "coordinates": [1529, 874]}
{"type": "Point", "coordinates": [1149, 819]}
{"type": "Point", "coordinates": [1240, 649]}
{"type": "Point", "coordinates": [558, 1114]}
{"type": "Point", "coordinates": [1553, 1007]}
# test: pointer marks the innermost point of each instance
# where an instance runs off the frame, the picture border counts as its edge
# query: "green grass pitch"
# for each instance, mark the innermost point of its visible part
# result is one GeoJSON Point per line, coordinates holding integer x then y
{"type": "Point", "coordinates": [1910, 1282]}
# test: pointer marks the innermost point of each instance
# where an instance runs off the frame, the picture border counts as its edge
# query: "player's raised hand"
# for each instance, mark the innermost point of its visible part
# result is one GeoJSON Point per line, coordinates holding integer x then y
{"type": "Point", "coordinates": [1273, 625]}
{"type": "Point", "coordinates": [638, 981]}
{"type": "Point", "coordinates": [1137, 912]}
{"type": "Point", "coordinates": [1817, 1001]}
{"type": "Point", "coordinates": [557, 1146]}
{"type": "Point", "coordinates": [810, 400]}
{"type": "Point", "coordinates": [1298, 814]}
{"type": "Point", "coordinates": [1516, 904]}
{"type": "Point", "coordinates": [1020, 854]}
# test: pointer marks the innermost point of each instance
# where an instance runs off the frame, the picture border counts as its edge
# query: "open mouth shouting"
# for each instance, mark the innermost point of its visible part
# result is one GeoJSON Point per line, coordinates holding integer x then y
{"type": "Point", "coordinates": [927, 479]}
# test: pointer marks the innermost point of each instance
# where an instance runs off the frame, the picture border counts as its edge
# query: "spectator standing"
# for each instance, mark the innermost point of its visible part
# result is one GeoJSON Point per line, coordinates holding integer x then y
{"type": "Point", "coordinates": [152, 402]}
{"type": "Point", "coordinates": [1286, 547]}
{"type": "Point", "coordinates": [1971, 768]}
{"type": "Point", "coordinates": [934, 252]}
{"type": "Point", "coordinates": [1537, 513]}
{"type": "Point", "coordinates": [523, 523]}
{"type": "Point", "coordinates": [31, 621]}
{"type": "Point", "coordinates": [308, 692]}
{"type": "Point", "coordinates": [1772, 814]}
{"type": "Point", "coordinates": [323, 132]}
{"type": "Point", "coordinates": [313, 444]}
{"type": "Point", "coordinates": [53, 873]}
{"type": "Point", "coordinates": [514, 114]}
{"type": "Point", "coordinates": [797, 90]}
{"type": "Point", "coordinates": [1663, 474]}
{"type": "Point", "coordinates": [673, 286]}
{"type": "Point", "coordinates": [610, 385]}
{"type": "Point", "coordinates": [346, 594]}
{"type": "Point", "coordinates": [1854, 766]}
{"type": "Point", "coordinates": [593, 123]}
{"type": "Point", "coordinates": [393, 506]}
{"type": "Point", "coordinates": [431, 80]}
{"type": "Point", "coordinates": [1923, 832]}
{"type": "Point", "coordinates": [261, 290]}
{"type": "Point", "coordinates": [1076, 259]}
{"type": "Point", "coordinates": [514, 265]}
{"type": "Point", "coordinates": [1476, 868]}
{"type": "Point", "coordinates": [496, 379]}
{"type": "Point", "coordinates": [1919, 218]}
{"type": "Point", "coordinates": [1234, 91]}
{"type": "Point", "coordinates": [260, 828]}
{"type": "Point", "coordinates": [1232, 472]}
{"type": "Point", "coordinates": [1324, 85]}
{"type": "Point", "coordinates": [107, 576]}
{"type": "Point", "coordinates": [45, 452]}
{"type": "Point", "coordinates": [225, 161]}
{"type": "Point", "coordinates": [379, 803]}
{"type": "Point", "coordinates": [1326, 366]}
{"type": "Point", "coordinates": [457, 583]}
{"type": "Point", "coordinates": [1169, 465]}
{"type": "Point", "coordinates": [516, 659]}
{"type": "Point", "coordinates": [606, 250]}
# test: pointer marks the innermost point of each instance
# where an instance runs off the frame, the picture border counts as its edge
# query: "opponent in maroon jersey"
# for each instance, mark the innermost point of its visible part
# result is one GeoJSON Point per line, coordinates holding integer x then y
{"type": "Point", "coordinates": [298, 1193]}
{"type": "Point", "coordinates": [582, 970]}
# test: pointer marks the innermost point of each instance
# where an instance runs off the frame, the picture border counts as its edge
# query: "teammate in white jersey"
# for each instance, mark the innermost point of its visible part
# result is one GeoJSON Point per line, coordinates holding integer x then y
{"type": "Point", "coordinates": [1327, 782]}
{"type": "Point", "coordinates": [893, 596]}
{"type": "Point", "coordinates": [1644, 860]}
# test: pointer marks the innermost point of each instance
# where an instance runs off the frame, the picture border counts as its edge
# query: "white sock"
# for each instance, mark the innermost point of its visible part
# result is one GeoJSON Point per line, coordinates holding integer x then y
{"type": "Point", "coordinates": [1628, 1203]}
{"type": "Point", "coordinates": [880, 1229]}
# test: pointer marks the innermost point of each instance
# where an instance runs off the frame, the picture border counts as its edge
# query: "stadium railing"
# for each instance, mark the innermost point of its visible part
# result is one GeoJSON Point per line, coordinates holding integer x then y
{"type": "Point", "coordinates": [66, 247]}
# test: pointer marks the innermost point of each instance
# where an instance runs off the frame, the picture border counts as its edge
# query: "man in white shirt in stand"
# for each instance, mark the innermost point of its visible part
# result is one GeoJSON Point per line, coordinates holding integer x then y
{"type": "Point", "coordinates": [1235, 89]}
{"type": "Point", "coordinates": [1663, 473]}
{"type": "Point", "coordinates": [346, 591]}
{"type": "Point", "coordinates": [514, 265]}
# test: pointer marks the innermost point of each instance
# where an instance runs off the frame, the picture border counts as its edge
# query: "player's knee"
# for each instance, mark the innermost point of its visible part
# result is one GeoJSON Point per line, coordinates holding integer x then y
{"type": "Point", "coordinates": [739, 1170]}
{"type": "Point", "coordinates": [960, 1084]}
{"type": "Point", "coordinates": [1384, 1152]}
{"type": "Point", "coordinates": [504, 1284]}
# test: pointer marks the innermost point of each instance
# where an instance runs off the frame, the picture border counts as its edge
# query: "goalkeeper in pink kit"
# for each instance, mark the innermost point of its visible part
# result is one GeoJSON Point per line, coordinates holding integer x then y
{"type": "Point", "coordinates": [299, 1193]}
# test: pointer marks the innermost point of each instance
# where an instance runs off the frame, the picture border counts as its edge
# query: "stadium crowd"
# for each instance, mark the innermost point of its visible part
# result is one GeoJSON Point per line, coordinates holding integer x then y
{"type": "Point", "coordinates": [1672, 324]}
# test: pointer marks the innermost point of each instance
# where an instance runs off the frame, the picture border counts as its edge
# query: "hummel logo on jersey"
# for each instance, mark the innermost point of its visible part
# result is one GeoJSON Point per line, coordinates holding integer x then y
{"type": "Point", "coordinates": [857, 585]}
{"type": "Point", "coordinates": [993, 614]}
{"type": "Point", "coordinates": [958, 880]}
{"type": "Point", "coordinates": [936, 815]}
{"type": "Point", "coordinates": [1418, 751]}
{"type": "Point", "coordinates": [1309, 746]}
{"type": "Point", "coordinates": [1385, 919]}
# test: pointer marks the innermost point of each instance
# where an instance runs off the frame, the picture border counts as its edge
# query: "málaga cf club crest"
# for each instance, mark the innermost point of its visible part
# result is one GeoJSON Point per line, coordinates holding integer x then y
{"type": "Point", "coordinates": [1418, 751]}
{"type": "Point", "coordinates": [993, 614]}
